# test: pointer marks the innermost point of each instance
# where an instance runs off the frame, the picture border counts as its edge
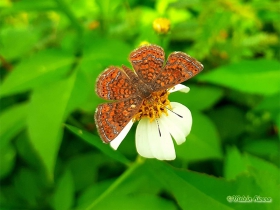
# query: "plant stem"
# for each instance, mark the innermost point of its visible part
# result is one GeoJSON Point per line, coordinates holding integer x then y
{"type": "Point", "coordinates": [123, 177]}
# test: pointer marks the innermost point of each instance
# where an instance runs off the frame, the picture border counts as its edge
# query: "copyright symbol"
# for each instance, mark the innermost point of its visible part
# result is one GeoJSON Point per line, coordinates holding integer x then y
{"type": "Point", "coordinates": [229, 199]}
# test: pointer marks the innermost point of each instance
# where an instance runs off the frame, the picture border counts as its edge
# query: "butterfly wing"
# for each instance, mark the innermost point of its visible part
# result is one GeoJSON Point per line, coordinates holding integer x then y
{"type": "Point", "coordinates": [147, 62]}
{"type": "Point", "coordinates": [113, 84]}
{"type": "Point", "coordinates": [111, 118]}
{"type": "Point", "coordinates": [179, 68]}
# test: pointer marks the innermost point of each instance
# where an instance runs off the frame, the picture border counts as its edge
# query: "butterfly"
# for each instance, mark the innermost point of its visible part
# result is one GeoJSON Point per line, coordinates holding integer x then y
{"type": "Point", "coordinates": [126, 89]}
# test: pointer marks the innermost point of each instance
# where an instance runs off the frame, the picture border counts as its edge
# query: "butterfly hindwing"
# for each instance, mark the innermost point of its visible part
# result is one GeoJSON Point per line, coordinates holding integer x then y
{"type": "Point", "coordinates": [113, 84]}
{"type": "Point", "coordinates": [111, 118]}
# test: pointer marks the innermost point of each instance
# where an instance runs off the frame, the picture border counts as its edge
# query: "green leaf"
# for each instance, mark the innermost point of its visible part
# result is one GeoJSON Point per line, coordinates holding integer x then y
{"type": "Point", "coordinates": [234, 163]}
{"type": "Point", "coordinates": [63, 197]}
{"type": "Point", "coordinates": [202, 143]}
{"type": "Point", "coordinates": [26, 184]}
{"type": "Point", "coordinates": [243, 185]}
{"type": "Point", "coordinates": [136, 202]}
{"type": "Point", "coordinates": [40, 69]}
{"type": "Point", "coordinates": [47, 113]}
{"type": "Point", "coordinates": [199, 97]}
{"type": "Point", "coordinates": [103, 53]}
{"type": "Point", "coordinates": [187, 187]}
{"type": "Point", "coordinates": [256, 147]}
{"type": "Point", "coordinates": [25, 151]}
{"type": "Point", "coordinates": [96, 142]}
{"type": "Point", "coordinates": [267, 177]}
{"type": "Point", "coordinates": [12, 121]}
{"type": "Point", "coordinates": [257, 77]}
{"type": "Point", "coordinates": [242, 98]}
{"type": "Point", "coordinates": [262, 165]}
{"type": "Point", "coordinates": [80, 170]}
{"type": "Point", "coordinates": [135, 181]}
{"type": "Point", "coordinates": [231, 126]}
{"type": "Point", "coordinates": [271, 104]}
{"type": "Point", "coordinates": [265, 174]}
{"type": "Point", "coordinates": [80, 91]}
{"type": "Point", "coordinates": [87, 197]}
{"type": "Point", "coordinates": [92, 100]}
{"type": "Point", "coordinates": [204, 183]}
{"type": "Point", "coordinates": [7, 157]}
{"type": "Point", "coordinates": [187, 196]}
{"type": "Point", "coordinates": [12, 47]}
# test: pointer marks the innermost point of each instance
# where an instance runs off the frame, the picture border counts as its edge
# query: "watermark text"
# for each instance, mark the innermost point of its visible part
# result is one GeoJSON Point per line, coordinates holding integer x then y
{"type": "Point", "coordinates": [248, 199]}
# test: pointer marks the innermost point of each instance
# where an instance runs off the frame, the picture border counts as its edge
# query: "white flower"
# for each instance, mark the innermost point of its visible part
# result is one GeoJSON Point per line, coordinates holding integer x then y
{"type": "Point", "coordinates": [153, 139]}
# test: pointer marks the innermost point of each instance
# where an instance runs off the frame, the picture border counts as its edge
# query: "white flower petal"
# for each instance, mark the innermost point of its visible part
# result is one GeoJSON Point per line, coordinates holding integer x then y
{"type": "Point", "coordinates": [171, 125]}
{"type": "Point", "coordinates": [181, 118]}
{"type": "Point", "coordinates": [166, 144]}
{"type": "Point", "coordinates": [153, 141]}
{"type": "Point", "coordinates": [141, 138]}
{"type": "Point", "coordinates": [118, 140]}
{"type": "Point", "coordinates": [179, 87]}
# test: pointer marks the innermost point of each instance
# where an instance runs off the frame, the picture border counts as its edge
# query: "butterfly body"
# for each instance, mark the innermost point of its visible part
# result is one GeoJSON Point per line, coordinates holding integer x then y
{"type": "Point", "coordinates": [128, 89]}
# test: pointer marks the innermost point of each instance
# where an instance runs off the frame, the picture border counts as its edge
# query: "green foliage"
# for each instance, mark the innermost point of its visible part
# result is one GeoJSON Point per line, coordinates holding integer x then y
{"type": "Point", "coordinates": [49, 103]}
{"type": "Point", "coordinates": [63, 196]}
{"type": "Point", "coordinates": [95, 141]}
{"type": "Point", "coordinates": [201, 145]}
{"type": "Point", "coordinates": [243, 76]}
{"type": "Point", "coordinates": [43, 68]}
{"type": "Point", "coordinates": [51, 53]}
{"type": "Point", "coordinates": [15, 120]}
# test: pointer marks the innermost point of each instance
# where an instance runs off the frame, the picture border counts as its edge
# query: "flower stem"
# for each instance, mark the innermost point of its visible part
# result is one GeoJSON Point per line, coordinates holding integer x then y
{"type": "Point", "coordinates": [139, 161]}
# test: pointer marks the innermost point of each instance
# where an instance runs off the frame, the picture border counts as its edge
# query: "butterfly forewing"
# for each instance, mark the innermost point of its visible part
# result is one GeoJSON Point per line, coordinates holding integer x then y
{"type": "Point", "coordinates": [111, 118]}
{"type": "Point", "coordinates": [179, 68]}
{"type": "Point", "coordinates": [113, 84]}
{"type": "Point", "coordinates": [147, 62]}
{"type": "Point", "coordinates": [130, 89]}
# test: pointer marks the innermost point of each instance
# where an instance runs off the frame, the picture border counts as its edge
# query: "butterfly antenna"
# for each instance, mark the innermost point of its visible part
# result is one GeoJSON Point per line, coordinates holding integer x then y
{"type": "Point", "coordinates": [158, 128]}
{"type": "Point", "coordinates": [174, 112]}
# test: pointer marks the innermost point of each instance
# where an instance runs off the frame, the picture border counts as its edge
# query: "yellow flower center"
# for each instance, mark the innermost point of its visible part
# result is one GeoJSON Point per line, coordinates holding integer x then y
{"type": "Point", "coordinates": [154, 106]}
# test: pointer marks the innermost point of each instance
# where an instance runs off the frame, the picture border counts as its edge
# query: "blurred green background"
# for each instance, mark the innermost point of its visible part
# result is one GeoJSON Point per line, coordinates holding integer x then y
{"type": "Point", "coordinates": [51, 52]}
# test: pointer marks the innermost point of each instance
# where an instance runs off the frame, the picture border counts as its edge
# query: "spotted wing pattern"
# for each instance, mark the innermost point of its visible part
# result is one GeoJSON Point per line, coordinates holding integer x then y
{"type": "Point", "coordinates": [113, 84]}
{"type": "Point", "coordinates": [125, 87]}
{"type": "Point", "coordinates": [147, 61]}
{"type": "Point", "coordinates": [111, 118]}
{"type": "Point", "coordinates": [179, 68]}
